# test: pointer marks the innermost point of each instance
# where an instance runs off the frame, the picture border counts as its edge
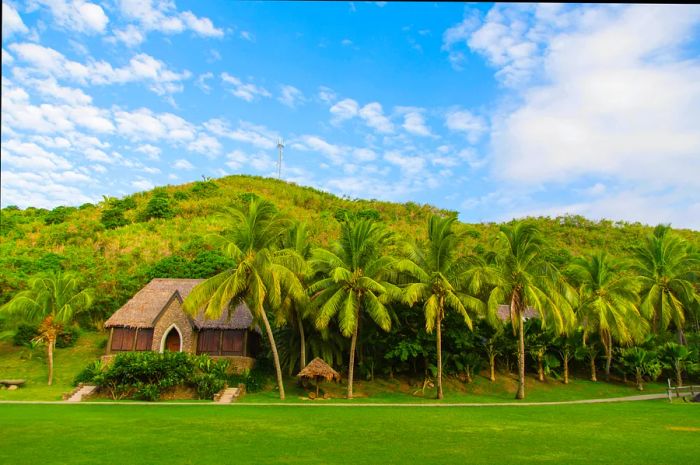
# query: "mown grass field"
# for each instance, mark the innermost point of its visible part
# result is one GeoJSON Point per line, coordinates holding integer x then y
{"type": "Point", "coordinates": [652, 432]}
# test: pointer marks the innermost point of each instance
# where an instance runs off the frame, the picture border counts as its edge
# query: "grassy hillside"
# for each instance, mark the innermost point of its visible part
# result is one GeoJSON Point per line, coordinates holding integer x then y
{"type": "Point", "coordinates": [119, 260]}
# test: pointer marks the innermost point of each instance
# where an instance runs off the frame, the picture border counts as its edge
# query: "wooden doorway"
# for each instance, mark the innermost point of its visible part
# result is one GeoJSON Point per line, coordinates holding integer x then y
{"type": "Point", "coordinates": [173, 343]}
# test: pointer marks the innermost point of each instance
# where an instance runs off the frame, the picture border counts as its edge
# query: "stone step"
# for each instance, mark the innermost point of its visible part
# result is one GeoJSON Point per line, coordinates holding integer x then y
{"type": "Point", "coordinates": [229, 395]}
{"type": "Point", "coordinates": [82, 392]}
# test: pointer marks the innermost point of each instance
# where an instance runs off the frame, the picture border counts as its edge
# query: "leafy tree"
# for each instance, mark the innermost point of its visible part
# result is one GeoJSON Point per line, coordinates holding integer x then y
{"type": "Point", "coordinates": [665, 269]}
{"type": "Point", "coordinates": [640, 362]}
{"type": "Point", "coordinates": [53, 300]}
{"type": "Point", "coordinates": [158, 207]}
{"type": "Point", "coordinates": [58, 215]}
{"type": "Point", "coordinates": [438, 274]}
{"type": "Point", "coordinates": [676, 357]}
{"type": "Point", "coordinates": [520, 277]}
{"type": "Point", "coordinates": [261, 273]}
{"type": "Point", "coordinates": [293, 310]}
{"type": "Point", "coordinates": [607, 302]}
{"type": "Point", "coordinates": [113, 218]}
{"type": "Point", "coordinates": [354, 280]}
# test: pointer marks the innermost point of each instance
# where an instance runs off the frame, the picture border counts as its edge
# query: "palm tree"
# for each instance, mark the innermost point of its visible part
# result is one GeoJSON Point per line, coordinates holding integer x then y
{"type": "Point", "coordinates": [665, 269]}
{"type": "Point", "coordinates": [607, 302]}
{"type": "Point", "coordinates": [520, 276]}
{"type": "Point", "coordinates": [676, 356]}
{"type": "Point", "coordinates": [53, 300]}
{"type": "Point", "coordinates": [439, 274]}
{"type": "Point", "coordinates": [293, 310]}
{"type": "Point", "coordinates": [354, 281]}
{"type": "Point", "coordinates": [262, 273]}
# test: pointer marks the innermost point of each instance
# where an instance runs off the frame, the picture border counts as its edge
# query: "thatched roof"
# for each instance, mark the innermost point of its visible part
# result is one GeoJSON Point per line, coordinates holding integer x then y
{"type": "Point", "coordinates": [503, 313]}
{"type": "Point", "coordinates": [319, 369]}
{"type": "Point", "coordinates": [144, 308]}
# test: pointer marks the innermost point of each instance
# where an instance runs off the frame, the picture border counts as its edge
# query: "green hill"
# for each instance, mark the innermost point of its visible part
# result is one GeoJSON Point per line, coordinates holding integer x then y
{"type": "Point", "coordinates": [119, 244]}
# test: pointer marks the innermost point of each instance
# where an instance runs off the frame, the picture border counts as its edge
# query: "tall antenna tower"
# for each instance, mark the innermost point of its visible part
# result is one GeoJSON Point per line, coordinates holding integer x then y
{"type": "Point", "coordinates": [280, 147]}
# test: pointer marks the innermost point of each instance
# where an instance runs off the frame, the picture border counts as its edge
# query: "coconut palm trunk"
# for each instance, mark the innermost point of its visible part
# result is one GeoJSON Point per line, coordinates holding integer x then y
{"type": "Point", "coordinates": [521, 356]}
{"type": "Point", "coordinates": [566, 370]}
{"type": "Point", "coordinates": [492, 367]}
{"type": "Point", "coordinates": [302, 338]}
{"type": "Point", "coordinates": [49, 348]}
{"type": "Point", "coordinates": [275, 355]}
{"type": "Point", "coordinates": [593, 369]}
{"type": "Point", "coordinates": [439, 352]}
{"type": "Point", "coordinates": [353, 345]}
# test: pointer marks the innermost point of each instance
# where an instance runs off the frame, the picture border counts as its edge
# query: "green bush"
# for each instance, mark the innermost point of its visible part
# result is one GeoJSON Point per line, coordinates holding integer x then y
{"type": "Point", "coordinates": [204, 188]}
{"type": "Point", "coordinates": [25, 333]}
{"type": "Point", "coordinates": [113, 218]}
{"type": "Point", "coordinates": [58, 215]}
{"type": "Point", "coordinates": [158, 207]}
{"type": "Point", "coordinates": [147, 375]}
{"type": "Point", "coordinates": [181, 195]}
{"type": "Point", "coordinates": [89, 373]}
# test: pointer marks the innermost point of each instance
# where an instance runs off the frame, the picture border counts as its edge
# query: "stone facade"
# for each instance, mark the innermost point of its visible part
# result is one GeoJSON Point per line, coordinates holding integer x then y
{"type": "Point", "coordinates": [170, 318]}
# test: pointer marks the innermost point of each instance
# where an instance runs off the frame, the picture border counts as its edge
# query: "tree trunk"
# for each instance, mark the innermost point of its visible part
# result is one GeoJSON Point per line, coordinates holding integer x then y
{"type": "Point", "coordinates": [275, 356]}
{"type": "Point", "coordinates": [49, 347]}
{"type": "Point", "coordinates": [469, 375]}
{"type": "Point", "coordinates": [681, 337]}
{"type": "Point", "coordinates": [593, 374]}
{"type": "Point", "coordinates": [521, 356]}
{"type": "Point", "coordinates": [679, 377]}
{"type": "Point", "coordinates": [540, 368]}
{"type": "Point", "coordinates": [303, 343]}
{"type": "Point", "coordinates": [638, 376]}
{"type": "Point", "coordinates": [353, 344]}
{"type": "Point", "coordinates": [492, 367]}
{"type": "Point", "coordinates": [439, 353]}
{"type": "Point", "coordinates": [608, 357]}
{"type": "Point", "coordinates": [566, 369]}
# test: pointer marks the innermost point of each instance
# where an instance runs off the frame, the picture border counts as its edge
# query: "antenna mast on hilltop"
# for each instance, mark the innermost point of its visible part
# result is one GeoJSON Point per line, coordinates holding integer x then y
{"type": "Point", "coordinates": [280, 147]}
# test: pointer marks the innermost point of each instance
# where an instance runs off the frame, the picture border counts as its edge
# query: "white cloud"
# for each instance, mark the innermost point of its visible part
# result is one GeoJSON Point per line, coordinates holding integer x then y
{"type": "Point", "coordinates": [316, 144]}
{"type": "Point", "coordinates": [291, 96]}
{"type": "Point", "coordinates": [51, 89]}
{"type": "Point", "coordinates": [256, 135]}
{"type": "Point", "coordinates": [326, 94]}
{"type": "Point", "coordinates": [130, 36]}
{"type": "Point", "coordinates": [245, 35]}
{"type": "Point", "coordinates": [7, 59]}
{"type": "Point", "coordinates": [344, 110]}
{"type": "Point", "coordinates": [346, 42]}
{"type": "Point", "coordinates": [152, 152]}
{"type": "Point", "coordinates": [162, 16]}
{"type": "Point", "coordinates": [144, 124]}
{"type": "Point", "coordinates": [464, 121]}
{"type": "Point", "coordinates": [374, 117]}
{"type": "Point", "coordinates": [408, 165]}
{"type": "Point", "coordinates": [414, 122]}
{"type": "Point", "coordinates": [142, 184]}
{"type": "Point", "coordinates": [260, 161]}
{"type": "Point", "coordinates": [11, 23]}
{"type": "Point", "coordinates": [142, 67]}
{"type": "Point", "coordinates": [77, 15]}
{"type": "Point", "coordinates": [202, 82]}
{"type": "Point", "coordinates": [20, 188]}
{"type": "Point", "coordinates": [363, 154]}
{"type": "Point", "coordinates": [182, 164]}
{"type": "Point", "coordinates": [246, 91]}
{"type": "Point", "coordinates": [30, 156]}
{"type": "Point", "coordinates": [206, 145]}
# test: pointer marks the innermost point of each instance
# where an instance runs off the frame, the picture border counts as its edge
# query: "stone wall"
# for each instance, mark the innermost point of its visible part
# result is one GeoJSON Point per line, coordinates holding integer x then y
{"type": "Point", "coordinates": [237, 364]}
{"type": "Point", "coordinates": [174, 315]}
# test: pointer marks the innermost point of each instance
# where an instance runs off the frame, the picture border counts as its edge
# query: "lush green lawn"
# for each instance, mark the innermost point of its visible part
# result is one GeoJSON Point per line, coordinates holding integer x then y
{"type": "Point", "coordinates": [20, 362]}
{"type": "Point", "coordinates": [652, 432]}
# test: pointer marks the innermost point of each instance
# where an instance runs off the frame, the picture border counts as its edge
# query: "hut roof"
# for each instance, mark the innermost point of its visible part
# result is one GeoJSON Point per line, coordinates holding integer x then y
{"type": "Point", "coordinates": [319, 368]}
{"type": "Point", "coordinates": [144, 308]}
{"type": "Point", "coordinates": [503, 313]}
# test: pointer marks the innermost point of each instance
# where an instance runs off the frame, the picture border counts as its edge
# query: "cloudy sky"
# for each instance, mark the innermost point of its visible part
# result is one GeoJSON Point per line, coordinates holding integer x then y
{"type": "Point", "coordinates": [495, 111]}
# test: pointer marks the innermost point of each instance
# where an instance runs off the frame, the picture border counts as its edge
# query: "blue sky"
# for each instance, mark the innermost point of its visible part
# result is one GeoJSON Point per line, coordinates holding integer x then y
{"type": "Point", "coordinates": [496, 111]}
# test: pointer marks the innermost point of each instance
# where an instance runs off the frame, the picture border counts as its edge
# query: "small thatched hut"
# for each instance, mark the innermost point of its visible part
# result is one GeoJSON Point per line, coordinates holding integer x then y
{"type": "Point", "coordinates": [318, 370]}
{"type": "Point", "coordinates": [153, 320]}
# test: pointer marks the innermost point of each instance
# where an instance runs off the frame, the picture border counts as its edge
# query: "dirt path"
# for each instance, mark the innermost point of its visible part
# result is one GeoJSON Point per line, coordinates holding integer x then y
{"type": "Point", "coordinates": [365, 404]}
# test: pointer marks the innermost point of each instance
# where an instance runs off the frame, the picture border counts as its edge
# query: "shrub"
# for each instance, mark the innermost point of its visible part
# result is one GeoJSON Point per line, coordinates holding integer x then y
{"type": "Point", "coordinates": [204, 188]}
{"type": "Point", "coordinates": [58, 215]}
{"type": "Point", "coordinates": [25, 333]}
{"type": "Point", "coordinates": [147, 375]}
{"type": "Point", "coordinates": [181, 195]}
{"type": "Point", "coordinates": [113, 218]}
{"type": "Point", "coordinates": [158, 207]}
{"type": "Point", "coordinates": [369, 214]}
{"type": "Point", "coordinates": [89, 373]}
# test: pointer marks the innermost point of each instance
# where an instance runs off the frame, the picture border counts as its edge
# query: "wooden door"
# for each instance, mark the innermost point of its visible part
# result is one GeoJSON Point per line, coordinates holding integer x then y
{"type": "Point", "coordinates": [172, 341]}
